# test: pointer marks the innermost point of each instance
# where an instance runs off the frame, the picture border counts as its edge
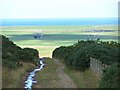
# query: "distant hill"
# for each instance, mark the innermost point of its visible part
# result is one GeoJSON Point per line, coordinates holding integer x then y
{"type": "Point", "coordinates": [13, 55]}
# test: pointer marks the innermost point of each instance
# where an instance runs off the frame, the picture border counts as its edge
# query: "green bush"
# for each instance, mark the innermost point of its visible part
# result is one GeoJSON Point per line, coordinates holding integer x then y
{"type": "Point", "coordinates": [110, 77]}
{"type": "Point", "coordinates": [13, 54]}
{"type": "Point", "coordinates": [77, 55]}
{"type": "Point", "coordinates": [81, 60]}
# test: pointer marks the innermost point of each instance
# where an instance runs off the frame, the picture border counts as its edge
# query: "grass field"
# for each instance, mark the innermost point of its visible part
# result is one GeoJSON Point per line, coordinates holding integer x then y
{"type": "Point", "coordinates": [55, 36]}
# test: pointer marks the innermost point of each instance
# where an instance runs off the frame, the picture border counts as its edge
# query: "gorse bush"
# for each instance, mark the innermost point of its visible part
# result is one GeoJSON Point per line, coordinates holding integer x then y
{"type": "Point", "coordinates": [111, 78]}
{"type": "Point", "coordinates": [12, 54]}
{"type": "Point", "coordinates": [77, 55]}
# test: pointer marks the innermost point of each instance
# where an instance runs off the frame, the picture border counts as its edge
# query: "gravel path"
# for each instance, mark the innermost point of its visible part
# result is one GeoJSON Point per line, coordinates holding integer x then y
{"type": "Point", "coordinates": [65, 80]}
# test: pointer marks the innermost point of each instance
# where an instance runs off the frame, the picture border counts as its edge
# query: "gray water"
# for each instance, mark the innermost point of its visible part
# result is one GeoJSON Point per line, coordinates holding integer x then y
{"type": "Point", "coordinates": [30, 79]}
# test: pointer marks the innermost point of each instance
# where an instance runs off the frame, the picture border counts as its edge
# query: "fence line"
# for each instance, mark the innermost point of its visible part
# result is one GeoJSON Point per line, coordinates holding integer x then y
{"type": "Point", "coordinates": [97, 66]}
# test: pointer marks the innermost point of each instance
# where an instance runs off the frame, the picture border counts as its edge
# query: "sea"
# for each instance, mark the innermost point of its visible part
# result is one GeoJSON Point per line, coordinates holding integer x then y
{"type": "Point", "coordinates": [58, 21]}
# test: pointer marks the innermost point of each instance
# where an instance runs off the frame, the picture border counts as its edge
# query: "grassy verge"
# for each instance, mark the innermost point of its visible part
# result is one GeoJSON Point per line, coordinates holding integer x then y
{"type": "Point", "coordinates": [15, 78]}
{"type": "Point", "coordinates": [83, 79]}
{"type": "Point", "coordinates": [47, 78]}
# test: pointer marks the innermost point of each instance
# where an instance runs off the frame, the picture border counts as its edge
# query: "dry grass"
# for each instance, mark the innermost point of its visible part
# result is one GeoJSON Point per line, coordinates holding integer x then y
{"type": "Point", "coordinates": [14, 78]}
{"type": "Point", "coordinates": [83, 79]}
{"type": "Point", "coordinates": [0, 77]}
{"type": "Point", "coordinates": [47, 78]}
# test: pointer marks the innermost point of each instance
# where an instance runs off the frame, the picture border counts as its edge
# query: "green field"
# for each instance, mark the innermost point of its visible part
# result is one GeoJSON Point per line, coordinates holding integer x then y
{"type": "Point", "coordinates": [55, 36]}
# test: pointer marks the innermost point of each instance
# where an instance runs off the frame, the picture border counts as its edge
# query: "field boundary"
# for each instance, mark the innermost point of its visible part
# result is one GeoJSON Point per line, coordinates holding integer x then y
{"type": "Point", "coordinates": [97, 67]}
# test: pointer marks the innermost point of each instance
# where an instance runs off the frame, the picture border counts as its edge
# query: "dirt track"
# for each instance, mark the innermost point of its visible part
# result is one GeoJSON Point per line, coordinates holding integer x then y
{"type": "Point", "coordinates": [65, 80]}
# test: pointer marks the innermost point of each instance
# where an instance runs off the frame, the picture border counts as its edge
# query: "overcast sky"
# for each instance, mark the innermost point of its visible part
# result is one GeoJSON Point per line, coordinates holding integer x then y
{"type": "Point", "coordinates": [58, 8]}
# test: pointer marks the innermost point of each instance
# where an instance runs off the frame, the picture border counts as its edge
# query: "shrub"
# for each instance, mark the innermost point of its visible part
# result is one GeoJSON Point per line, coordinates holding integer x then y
{"type": "Point", "coordinates": [110, 78]}
{"type": "Point", "coordinates": [13, 54]}
{"type": "Point", "coordinates": [77, 55]}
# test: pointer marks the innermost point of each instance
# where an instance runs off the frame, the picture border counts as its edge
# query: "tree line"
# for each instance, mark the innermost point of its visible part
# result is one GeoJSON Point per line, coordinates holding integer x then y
{"type": "Point", "coordinates": [13, 55]}
{"type": "Point", "coordinates": [77, 56]}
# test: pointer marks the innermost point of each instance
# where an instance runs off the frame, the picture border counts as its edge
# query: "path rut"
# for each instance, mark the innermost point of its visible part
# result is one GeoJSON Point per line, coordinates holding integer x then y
{"type": "Point", "coordinates": [65, 80]}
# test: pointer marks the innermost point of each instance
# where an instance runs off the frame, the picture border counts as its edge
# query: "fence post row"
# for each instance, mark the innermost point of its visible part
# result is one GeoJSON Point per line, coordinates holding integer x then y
{"type": "Point", "coordinates": [96, 66]}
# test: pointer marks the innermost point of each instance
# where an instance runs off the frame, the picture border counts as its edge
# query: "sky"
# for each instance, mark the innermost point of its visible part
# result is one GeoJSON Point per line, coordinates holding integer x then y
{"type": "Point", "coordinates": [58, 8]}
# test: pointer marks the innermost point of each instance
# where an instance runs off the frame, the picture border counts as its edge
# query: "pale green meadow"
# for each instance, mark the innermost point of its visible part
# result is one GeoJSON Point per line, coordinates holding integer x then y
{"type": "Point", "coordinates": [55, 36]}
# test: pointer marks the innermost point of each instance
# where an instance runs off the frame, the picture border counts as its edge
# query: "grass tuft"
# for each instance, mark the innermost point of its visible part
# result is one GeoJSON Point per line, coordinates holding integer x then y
{"type": "Point", "coordinates": [83, 79]}
{"type": "Point", "coordinates": [47, 78]}
{"type": "Point", "coordinates": [15, 78]}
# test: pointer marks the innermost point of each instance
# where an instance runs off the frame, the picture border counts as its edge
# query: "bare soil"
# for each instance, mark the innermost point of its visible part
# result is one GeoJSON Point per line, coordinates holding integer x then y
{"type": "Point", "coordinates": [65, 80]}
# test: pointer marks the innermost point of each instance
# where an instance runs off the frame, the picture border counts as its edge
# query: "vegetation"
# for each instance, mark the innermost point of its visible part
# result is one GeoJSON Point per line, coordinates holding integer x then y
{"type": "Point", "coordinates": [48, 77]}
{"type": "Point", "coordinates": [61, 35]}
{"type": "Point", "coordinates": [13, 55]}
{"type": "Point", "coordinates": [16, 62]}
{"type": "Point", "coordinates": [111, 78]}
{"type": "Point", "coordinates": [15, 78]}
{"type": "Point", "coordinates": [77, 57]}
{"type": "Point", "coordinates": [85, 79]}
{"type": "Point", "coordinates": [55, 36]}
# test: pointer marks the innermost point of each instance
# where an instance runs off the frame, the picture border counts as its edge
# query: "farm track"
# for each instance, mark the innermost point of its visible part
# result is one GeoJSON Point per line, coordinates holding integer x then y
{"type": "Point", "coordinates": [65, 80]}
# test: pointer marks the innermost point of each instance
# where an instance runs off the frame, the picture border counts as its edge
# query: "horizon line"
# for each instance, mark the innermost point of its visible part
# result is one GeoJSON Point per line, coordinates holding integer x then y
{"type": "Point", "coordinates": [57, 17]}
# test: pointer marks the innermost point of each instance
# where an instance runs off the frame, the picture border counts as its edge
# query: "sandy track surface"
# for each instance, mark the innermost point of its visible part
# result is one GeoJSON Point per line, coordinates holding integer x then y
{"type": "Point", "coordinates": [65, 80]}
